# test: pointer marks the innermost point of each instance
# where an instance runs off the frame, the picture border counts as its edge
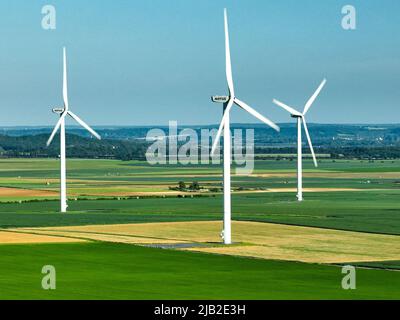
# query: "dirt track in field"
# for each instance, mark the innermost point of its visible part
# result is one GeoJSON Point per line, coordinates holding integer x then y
{"type": "Point", "coordinates": [120, 193]}
{"type": "Point", "coordinates": [314, 189]}
{"type": "Point", "coordinates": [15, 192]}
{"type": "Point", "coordinates": [111, 193]}
{"type": "Point", "coordinates": [333, 175]}
{"type": "Point", "coordinates": [257, 240]}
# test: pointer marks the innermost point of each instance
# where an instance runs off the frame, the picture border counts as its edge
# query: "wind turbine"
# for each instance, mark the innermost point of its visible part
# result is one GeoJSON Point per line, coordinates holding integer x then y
{"type": "Point", "coordinates": [63, 112]}
{"type": "Point", "coordinates": [224, 127]}
{"type": "Point", "coordinates": [301, 119]}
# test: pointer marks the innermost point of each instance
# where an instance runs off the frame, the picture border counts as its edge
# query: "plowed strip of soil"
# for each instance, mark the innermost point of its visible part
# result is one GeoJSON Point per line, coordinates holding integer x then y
{"type": "Point", "coordinates": [15, 192]}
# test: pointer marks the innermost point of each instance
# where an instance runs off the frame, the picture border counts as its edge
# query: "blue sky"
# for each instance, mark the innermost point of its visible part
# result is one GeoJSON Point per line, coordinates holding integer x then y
{"type": "Point", "coordinates": [147, 62]}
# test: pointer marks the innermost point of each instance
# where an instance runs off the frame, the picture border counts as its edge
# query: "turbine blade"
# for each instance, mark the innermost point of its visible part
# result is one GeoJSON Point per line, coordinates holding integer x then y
{"type": "Point", "coordinates": [221, 126]}
{"type": "Point", "coordinates": [256, 114]}
{"type": "Point", "coordinates": [309, 142]}
{"type": "Point", "coordinates": [313, 97]}
{"type": "Point", "coordinates": [287, 108]}
{"type": "Point", "coordinates": [56, 129]}
{"type": "Point", "coordinates": [229, 77]}
{"type": "Point", "coordinates": [83, 124]}
{"type": "Point", "coordinates": [218, 137]}
{"type": "Point", "coordinates": [65, 79]}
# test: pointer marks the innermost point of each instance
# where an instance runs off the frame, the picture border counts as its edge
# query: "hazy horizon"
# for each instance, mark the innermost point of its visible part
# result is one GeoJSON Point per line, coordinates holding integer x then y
{"type": "Point", "coordinates": [50, 126]}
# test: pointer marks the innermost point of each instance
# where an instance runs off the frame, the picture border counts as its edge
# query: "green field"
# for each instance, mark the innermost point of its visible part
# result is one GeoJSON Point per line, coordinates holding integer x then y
{"type": "Point", "coordinates": [118, 271]}
{"type": "Point", "coordinates": [104, 270]}
{"type": "Point", "coordinates": [94, 177]}
{"type": "Point", "coordinates": [359, 211]}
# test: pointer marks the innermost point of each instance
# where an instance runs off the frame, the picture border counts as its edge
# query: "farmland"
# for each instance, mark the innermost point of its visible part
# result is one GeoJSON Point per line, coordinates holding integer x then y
{"type": "Point", "coordinates": [350, 215]}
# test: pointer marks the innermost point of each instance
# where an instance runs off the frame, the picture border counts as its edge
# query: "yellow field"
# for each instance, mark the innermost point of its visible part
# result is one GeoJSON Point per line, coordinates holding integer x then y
{"type": "Point", "coordinates": [15, 192]}
{"type": "Point", "coordinates": [7, 237]}
{"type": "Point", "coordinates": [258, 240]}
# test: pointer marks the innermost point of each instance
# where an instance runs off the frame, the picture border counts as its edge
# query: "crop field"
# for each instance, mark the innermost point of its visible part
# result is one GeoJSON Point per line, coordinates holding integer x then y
{"type": "Point", "coordinates": [254, 239]}
{"type": "Point", "coordinates": [94, 178]}
{"type": "Point", "coordinates": [130, 233]}
{"type": "Point", "coordinates": [121, 271]}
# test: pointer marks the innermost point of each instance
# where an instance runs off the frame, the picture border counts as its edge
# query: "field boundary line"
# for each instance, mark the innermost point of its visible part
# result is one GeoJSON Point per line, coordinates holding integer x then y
{"type": "Point", "coordinates": [103, 233]}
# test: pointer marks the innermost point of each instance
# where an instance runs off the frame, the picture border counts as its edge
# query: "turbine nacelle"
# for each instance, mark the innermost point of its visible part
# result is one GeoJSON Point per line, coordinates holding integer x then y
{"type": "Point", "coordinates": [220, 99]}
{"type": "Point", "coordinates": [58, 110]}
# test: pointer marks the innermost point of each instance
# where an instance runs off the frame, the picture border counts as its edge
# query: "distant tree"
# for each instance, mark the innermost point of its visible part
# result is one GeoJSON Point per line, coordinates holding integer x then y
{"type": "Point", "coordinates": [181, 185]}
{"type": "Point", "coordinates": [195, 186]}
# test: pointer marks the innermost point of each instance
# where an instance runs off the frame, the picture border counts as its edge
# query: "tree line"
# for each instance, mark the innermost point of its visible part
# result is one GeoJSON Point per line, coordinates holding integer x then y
{"type": "Point", "coordinates": [77, 147]}
{"type": "Point", "coordinates": [34, 146]}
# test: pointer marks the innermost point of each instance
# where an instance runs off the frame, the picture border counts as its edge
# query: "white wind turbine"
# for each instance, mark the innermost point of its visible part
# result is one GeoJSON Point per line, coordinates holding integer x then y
{"type": "Point", "coordinates": [63, 112]}
{"type": "Point", "coordinates": [224, 127]}
{"type": "Point", "coordinates": [301, 119]}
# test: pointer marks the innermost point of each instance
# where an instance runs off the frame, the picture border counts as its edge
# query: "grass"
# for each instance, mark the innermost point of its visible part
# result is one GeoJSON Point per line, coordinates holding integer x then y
{"type": "Point", "coordinates": [117, 271]}
{"type": "Point", "coordinates": [110, 177]}
{"type": "Point", "coordinates": [368, 211]}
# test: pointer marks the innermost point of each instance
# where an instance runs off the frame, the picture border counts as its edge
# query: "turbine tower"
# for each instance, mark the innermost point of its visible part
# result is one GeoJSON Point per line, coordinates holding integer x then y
{"type": "Point", "coordinates": [301, 119]}
{"type": "Point", "coordinates": [63, 112]}
{"type": "Point", "coordinates": [228, 102]}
